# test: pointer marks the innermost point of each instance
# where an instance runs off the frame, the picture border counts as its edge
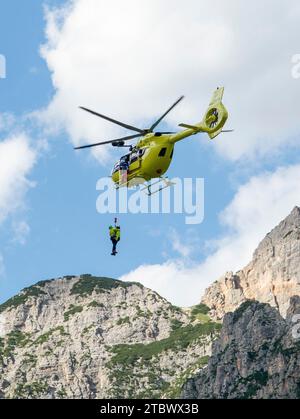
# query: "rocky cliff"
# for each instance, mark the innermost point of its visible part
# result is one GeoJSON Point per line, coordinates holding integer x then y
{"type": "Point", "coordinates": [87, 337]}
{"type": "Point", "coordinates": [256, 357]}
{"type": "Point", "coordinates": [273, 275]}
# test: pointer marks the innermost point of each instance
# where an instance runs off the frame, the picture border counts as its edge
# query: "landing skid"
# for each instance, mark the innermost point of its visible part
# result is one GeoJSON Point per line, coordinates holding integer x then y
{"type": "Point", "coordinates": [166, 183]}
{"type": "Point", "coordinates": [162, 183]}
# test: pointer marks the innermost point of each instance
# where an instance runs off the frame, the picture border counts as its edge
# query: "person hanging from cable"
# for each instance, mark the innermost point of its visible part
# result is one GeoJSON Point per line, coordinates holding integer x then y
{"type": "Point", "coordinates": [115, 236]}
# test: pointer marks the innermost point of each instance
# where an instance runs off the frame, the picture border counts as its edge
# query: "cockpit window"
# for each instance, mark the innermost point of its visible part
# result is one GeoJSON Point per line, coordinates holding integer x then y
{"type": "Point", "coordinates": [133, 157]}
{"type": "Point", "coordinates": [125, 158]}
{"type": "Point", "coordinates": [162, 152]}
{"type": "Point", "coordinates": [116, 168]}
{"type": "Point", "coordinates": [141, 152]}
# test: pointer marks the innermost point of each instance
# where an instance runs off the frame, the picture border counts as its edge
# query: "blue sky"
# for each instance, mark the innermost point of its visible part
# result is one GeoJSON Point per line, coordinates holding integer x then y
{"type": "Point", "coordinates": [67, 235]}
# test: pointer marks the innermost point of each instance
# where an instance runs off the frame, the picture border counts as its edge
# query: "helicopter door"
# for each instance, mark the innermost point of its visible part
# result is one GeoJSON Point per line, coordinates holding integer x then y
{"type": "Point", "coordinates": [135, 161]}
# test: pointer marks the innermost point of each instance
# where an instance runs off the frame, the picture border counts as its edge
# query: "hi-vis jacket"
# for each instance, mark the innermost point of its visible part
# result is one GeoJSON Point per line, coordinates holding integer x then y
{"type": "Point", "coordinates": [115, 233]}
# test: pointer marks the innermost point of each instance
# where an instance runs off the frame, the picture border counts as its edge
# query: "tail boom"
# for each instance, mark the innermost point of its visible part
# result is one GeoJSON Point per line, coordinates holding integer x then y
{"type": "Point", "coordinates": [212, 122]}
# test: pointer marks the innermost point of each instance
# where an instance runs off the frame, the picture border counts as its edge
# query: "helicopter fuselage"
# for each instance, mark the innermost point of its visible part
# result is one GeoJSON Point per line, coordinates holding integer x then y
{"type": "Point", "coordinates": [150, 158]}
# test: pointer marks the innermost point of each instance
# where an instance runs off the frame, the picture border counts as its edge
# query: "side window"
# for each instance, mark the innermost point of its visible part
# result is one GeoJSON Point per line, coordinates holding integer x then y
{"type": "Point", "coordinates": [133, 158]}
{"type": "Point", "coordinates": [116, 168]}
{"type": "Point", "coordinates": [172, 154]}
{"type": "Point", "coordinates": [162, 152]}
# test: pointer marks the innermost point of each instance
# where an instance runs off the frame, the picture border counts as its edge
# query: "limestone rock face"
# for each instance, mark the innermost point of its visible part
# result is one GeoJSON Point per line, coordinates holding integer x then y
{"type": "Point", "coordinates": [257, 356]}
{"type": "Point", "coordinates": [87, 337]}
{"type": "Point", "coordinates": [273, 276]}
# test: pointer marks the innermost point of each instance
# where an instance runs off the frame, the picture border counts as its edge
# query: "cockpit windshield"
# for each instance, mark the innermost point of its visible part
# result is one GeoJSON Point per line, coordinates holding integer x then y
{"type": "Point", "coordinates": [127, 159]}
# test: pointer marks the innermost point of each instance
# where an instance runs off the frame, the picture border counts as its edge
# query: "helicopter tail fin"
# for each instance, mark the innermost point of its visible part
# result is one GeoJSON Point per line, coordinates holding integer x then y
{"type": "Point", "coordinates": [214, 118]}
{"type": "Point", "coordinates": [216, 115]}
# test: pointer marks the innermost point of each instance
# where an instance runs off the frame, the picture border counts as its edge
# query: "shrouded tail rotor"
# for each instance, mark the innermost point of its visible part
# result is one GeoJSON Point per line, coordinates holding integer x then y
{"type": "Point", "coordinates": [216, 115]}
{"type": "Point", "coordinates": [213, 121]}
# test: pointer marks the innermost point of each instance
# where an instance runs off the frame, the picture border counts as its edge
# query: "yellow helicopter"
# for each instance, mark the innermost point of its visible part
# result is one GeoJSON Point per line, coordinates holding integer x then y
{"type": "Point", "coordinates": [151, 156]}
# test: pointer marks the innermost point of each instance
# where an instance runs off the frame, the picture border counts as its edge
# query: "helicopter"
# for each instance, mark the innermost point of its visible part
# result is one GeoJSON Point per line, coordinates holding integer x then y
{"type": "Point", "coordinates": [151, 156]}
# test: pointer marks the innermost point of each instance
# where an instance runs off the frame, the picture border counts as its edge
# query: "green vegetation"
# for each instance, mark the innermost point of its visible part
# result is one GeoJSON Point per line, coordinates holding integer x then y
{"type": "Point", "coordinates": [34, 389]}
{"type": "Point", "coordinates": [139, 311]}
{"type": "Point", "coordinates": [87, 284]}
{"type": "Point", "coordinates": [21, 298]}
{"type": "Point", "coordinates": [277, 348]}
{"type": "Point", "coordinates": [254, 382]}
{"type": "Point", "coordinates": [175, 324]}
{"type": "Point", "coordinates": [179, 339]}
{"type": "Point", "coordinates": [142, 314]}
{"type": "Point", "coordinates": [62, 393]}
{"type": "Point", "coordinates": [241, 310]}
{"type": "Point", "coordinates": [200, 309]}
{"type": "Point", "coordinates": [173, 392]}
{"type": "Point", "coordinates": [15, 339]}
{"type": "Point", "coordinates": [123, 320]}
{"type": "Point", "coordinates": [48, 281]}
{"type": "Point", "coordinates": [126, 384]}
{"type": "Point", "coordinates": [200, 313]}
{"type": "Point", "coordinates": [87, 329]}
{"type": "Point", "coordinates": [72, 310]}
{"type": "Point", "coordinates": [69, 277]}
{"type": "Point", "coordinates": [44, 283]}
{"type": "Point", "coordinates": [175, 309]}
{"type": "Point", "coordinates": [29, 360]}
{"type": "Point", "coordinates": [261, 377]}
{"type": "Point", "coordinates": [46, 336]}
{"type": "Point", "coordinates": [131, 363]}
{"type": "Point", "coordinates": [95, 304]}
{"type": "Point", "coordinates": [252, 355]}
{"type": "Point", "coordinates": [86, 357]}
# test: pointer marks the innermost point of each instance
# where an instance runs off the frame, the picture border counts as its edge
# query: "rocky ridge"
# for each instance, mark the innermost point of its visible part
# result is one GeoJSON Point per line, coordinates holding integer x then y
{"type": "Point", "coordinates": [256, 357]}
{"type": "Point", "coordinates": [87, 337]}
{"type": "Point", "coordinates": [272, 277]}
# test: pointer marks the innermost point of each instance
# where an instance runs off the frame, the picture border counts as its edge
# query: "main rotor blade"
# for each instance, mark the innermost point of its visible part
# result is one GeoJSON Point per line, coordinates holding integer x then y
{"type": "Point", "coordinates": [166, 113]}
{"type": "Point", "coordinates": [114, 121]}
{"type": "Point", "coordinates": [130, 137]}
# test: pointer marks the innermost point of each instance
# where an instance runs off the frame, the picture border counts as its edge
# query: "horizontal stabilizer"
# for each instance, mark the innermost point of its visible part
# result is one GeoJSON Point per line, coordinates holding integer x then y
{"type": "Point", "coordinates": [193, 127]}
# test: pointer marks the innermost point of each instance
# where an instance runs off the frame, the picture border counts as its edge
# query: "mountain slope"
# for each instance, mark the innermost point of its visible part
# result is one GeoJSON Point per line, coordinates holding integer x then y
{"type": "Point", "coordinates": [257, 356]}
{"type": "Point", "coordinates": [87, 337]}
{"type": "Point", "coordinates": [272, 277]}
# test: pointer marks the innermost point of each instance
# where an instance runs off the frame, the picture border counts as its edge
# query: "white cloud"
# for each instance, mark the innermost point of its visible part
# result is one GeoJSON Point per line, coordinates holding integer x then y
{"type": "Point", "coordinates": [257, 207]}
{"type": "Point", "coordinates": [132, 59]}
{"type": "Point", "coordinates": [184, 247]}
{"type": "Point", "coordinates": [21, 231]}
{"type": "Point", "coordinates": [17, 159]}
{"type": "Point", "coordinates": [6, 121]}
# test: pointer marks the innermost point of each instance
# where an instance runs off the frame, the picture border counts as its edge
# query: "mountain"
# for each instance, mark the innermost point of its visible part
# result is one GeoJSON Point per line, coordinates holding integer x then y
{"type": "Point", "coordinates": [272, 277]}
{"type": "Point", "coordinates": [256, 357]}
{"type": "Point", "coordinates": [88, 337]}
